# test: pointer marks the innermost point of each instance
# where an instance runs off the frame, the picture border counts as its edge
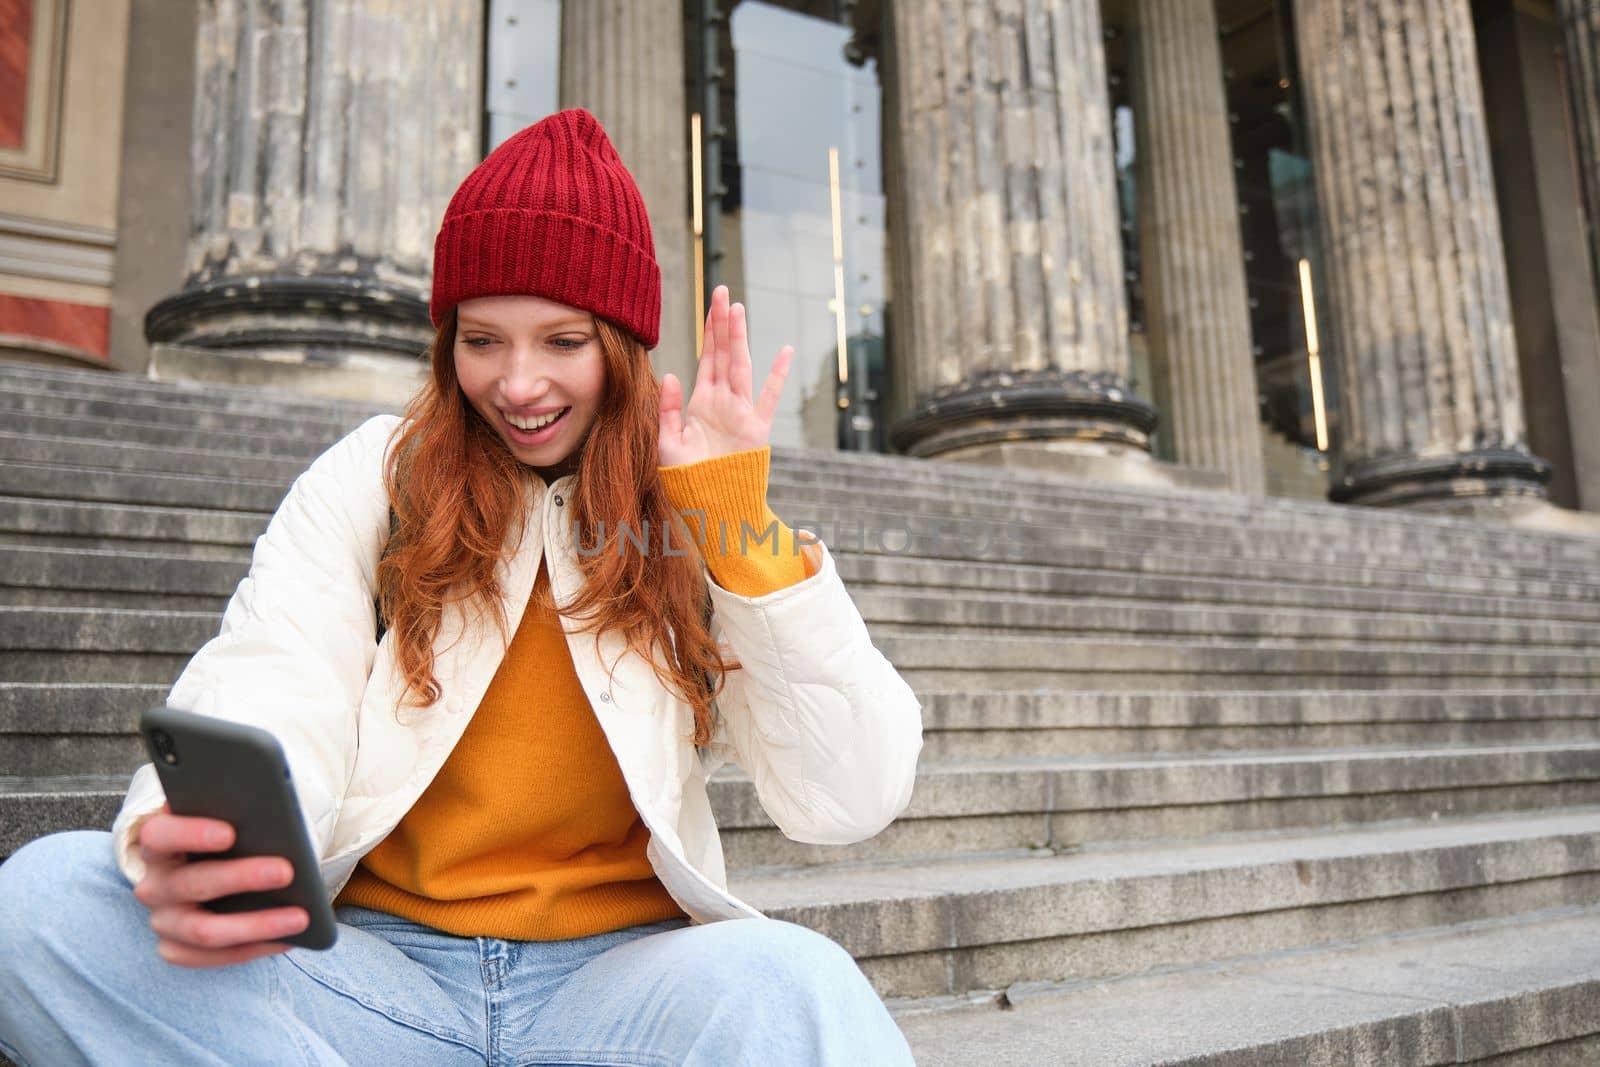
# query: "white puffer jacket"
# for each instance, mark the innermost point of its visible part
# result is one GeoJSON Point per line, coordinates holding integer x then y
{"type": "Point", "coordinates": [822, 723]}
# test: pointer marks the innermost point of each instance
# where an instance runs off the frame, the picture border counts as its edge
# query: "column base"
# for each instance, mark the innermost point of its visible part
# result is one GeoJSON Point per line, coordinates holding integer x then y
{"type": "Point", "coordinates": [1524, 512]}
{"type": "Point", "coordinates": [1420, 481]}
{"type": "Point", "coordinates": [320, 317]}
{"type": "Point", "coordinates": [1012, 406]}
{"type": "Point", "coordinates": [1089, 462]}
{"type": "Point", "coordinates": [388, 381]}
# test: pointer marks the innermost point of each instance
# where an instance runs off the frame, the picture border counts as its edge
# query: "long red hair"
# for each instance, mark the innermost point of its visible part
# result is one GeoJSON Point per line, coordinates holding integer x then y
{"type": "Point", "coordinates": [455, 489]}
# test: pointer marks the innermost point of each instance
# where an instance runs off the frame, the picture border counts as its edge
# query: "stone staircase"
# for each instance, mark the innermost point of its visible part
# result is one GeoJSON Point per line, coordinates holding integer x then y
{"type": "Point", "coordinates": [1205, 781]}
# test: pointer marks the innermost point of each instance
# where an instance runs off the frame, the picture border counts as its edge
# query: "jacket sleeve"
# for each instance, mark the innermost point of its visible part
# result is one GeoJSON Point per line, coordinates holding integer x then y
{"type": "Point", "coordinates": [824, 725]}
{"type": "Point", "coordinates": [297, 640]}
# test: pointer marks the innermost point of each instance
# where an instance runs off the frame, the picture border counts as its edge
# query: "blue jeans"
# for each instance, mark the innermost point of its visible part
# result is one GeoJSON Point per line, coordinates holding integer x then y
{"type": "Point", "coordinates": [81, 982]}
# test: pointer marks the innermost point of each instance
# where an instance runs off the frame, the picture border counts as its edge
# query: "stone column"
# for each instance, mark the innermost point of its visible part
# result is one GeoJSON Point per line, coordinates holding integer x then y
{"type": "Point", "coordinates": [1580, 26]}
{"type": "Point", "coordinates": [1010, 308]}
{"type": "Point", "coordinates": [328, 138]}
{"type": "Point", "coordinates": [623, 60]}
{"type": "Point", "coordinates": [1197, 310]}
{"type": "Point", "coordinates": [1420, 308]}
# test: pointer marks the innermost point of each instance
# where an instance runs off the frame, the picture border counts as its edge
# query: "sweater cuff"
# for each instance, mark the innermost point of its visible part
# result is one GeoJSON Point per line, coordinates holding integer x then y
{"type": "Point", "coordinates": [736, 537]}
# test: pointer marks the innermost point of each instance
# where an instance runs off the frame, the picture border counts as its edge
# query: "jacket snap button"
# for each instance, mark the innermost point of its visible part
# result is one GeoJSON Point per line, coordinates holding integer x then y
{"type": "Point", "coordinates": [605, 698]}
{"type": "Point", "coordinates": [558, 500]}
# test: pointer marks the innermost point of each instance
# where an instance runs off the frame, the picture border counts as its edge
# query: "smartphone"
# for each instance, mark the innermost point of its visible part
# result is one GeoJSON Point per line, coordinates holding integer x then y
{"type": "Point", "coordinates": [226, 770]}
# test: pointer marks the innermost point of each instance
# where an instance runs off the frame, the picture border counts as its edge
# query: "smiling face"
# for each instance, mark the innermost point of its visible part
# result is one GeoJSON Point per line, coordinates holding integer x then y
{"type": "Point", "coordinates": [522, 359]}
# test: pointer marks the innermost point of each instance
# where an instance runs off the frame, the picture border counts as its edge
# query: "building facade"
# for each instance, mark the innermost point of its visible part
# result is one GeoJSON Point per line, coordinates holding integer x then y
{"type": "Point", "coordinates": [1325, 248]}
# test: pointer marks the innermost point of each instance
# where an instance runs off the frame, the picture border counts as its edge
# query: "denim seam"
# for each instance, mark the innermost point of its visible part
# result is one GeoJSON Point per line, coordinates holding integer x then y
{"type": "Point", "coordinates": [568, 1057]}
{"type": "Point", "coordinates": [404, 1018]}
{"type": "Point", "coordinates": [280, 1003]}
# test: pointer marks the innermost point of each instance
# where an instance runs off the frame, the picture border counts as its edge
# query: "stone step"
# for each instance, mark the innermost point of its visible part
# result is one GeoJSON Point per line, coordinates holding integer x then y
{"type": "Point", "coordinates": [138, 527]}
{"type": "Point", "coordinates": [146, 459]}
{"type": "Point", "coordinates": [154, 581]}
{"type": "Point", "coordinates": [977, 724]}
{"type": "Point", "coordinates": [829, 467]}
{"type": "Point", "coordinates": [948, 927]}
{"type": "Point", "coordinates": [1034, 803]}
{"type": "Point", "coordinates": [881, 528]}
{"type": "Point", "coordinates": [1521, 991]}
{"type": "Point", "coordinates": [305, 448]}
{"type": "Point", "coordinates": [131, 408]}
{"type": "Point", "coordinates": [1004, 662]}
{"type": "Point", "coordinates": [1063, 803]}
{"type": "Point", "coordinates": [88, 728]}
{"type": "Point", "coordinates": [31, 807]}
{"type": "Point", "coordinates": [930, 523]}
{"type": "Point", "coordinates": [59, 482]}
{"type": "Point", "coordinates": [286, 404]}
{"type": "Point", "coordinates": [44, 576]}
{"type": "Point", "coordinates": [797, 497]}
{"type": "Point", "coordinates": [834, 469]}
{"type": "Point", "coordinates": [1056, 489]}
{"type": "Point", "coordinates": [969, 539]}
{"type": "Point", "coordinates": [884, 588]}
{"type": "Point", "coordinates": [31, 637]}
{"type": "Point", "coordinates": [920, 499]}
{"type": "Point", "coordinates": [911, 614]}
{"type": "Point", "coordinates": [42, 521]}
{"type": "Point", "coordinates": [865, 574]}
{"type": "Point", "coordinates": [72, 728]}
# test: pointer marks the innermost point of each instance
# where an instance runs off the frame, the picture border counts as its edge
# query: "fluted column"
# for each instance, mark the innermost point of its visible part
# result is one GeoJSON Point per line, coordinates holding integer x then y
{"type": "Point", "coordinates": [328, 138]}
{"type": "Point", "coordinates": [1010, 303]}
{"type": "Point", "coordinates": [1196, 307]}
{"type": "Point", "coordinates": [1427, 359]}
{"type": "Point", "coordinates": [1580, 26]}
{"type": "Point", "coordinates": [623, 60]}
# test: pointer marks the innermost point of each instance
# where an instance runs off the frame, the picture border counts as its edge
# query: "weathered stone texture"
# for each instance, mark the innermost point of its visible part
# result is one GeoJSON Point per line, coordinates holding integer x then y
{"type": "Point", "coordinates": [1197, 310]}
{"type": "Point", "coordinates": [623, 60]}
{"type": "Point", "coordinates": [1011, 257]}
{"type": "Point", "coordinates": [1420, 306]}
{"type": "Point", "coordinates": [1580, 24]}
{"type": "Point", "coordinates": [329, 134]}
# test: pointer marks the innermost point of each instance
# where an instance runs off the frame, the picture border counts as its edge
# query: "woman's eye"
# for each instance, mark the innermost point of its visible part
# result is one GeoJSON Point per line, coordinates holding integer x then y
{"type": "Point", "coordinates": [567, 342]}
{"type": "Point", "coordinates": [476, 342]}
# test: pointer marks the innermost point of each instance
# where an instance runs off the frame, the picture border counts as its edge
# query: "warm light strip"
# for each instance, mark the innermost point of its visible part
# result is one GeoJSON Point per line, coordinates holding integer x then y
{"type": "Point", "coordinates": [699, 236]}
{"type": "Point", "coordinates": [838, 269]}
{"type": "Point", "coordinates": [1308, 305]}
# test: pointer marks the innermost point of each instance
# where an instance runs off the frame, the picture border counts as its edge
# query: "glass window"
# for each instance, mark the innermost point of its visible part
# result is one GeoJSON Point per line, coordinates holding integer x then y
{"type": "Point", "coordinates": [803, 224]}
{"type": "Point", "coordinates": [522, 69]}
{"type": "Point", "coordinates": [1277, 218]}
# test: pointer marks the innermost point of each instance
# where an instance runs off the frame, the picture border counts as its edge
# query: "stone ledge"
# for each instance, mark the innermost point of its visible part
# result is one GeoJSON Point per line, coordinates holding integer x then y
{"type": "Point", "coordinates": [1114, 466]}
{"type": "Point", "coordinates": [1437, 997]}
{"type": "Point", "coordinates": [370, 379]}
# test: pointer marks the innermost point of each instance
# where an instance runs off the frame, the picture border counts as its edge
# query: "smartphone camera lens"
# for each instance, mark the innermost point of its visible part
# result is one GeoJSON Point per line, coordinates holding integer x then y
{"type": "Point", "coordinates": [164, 747]}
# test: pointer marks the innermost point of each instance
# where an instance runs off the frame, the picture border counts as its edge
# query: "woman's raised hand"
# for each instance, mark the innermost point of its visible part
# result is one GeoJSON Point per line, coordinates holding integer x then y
{"type": "Point", "coordinates": [721, 418]}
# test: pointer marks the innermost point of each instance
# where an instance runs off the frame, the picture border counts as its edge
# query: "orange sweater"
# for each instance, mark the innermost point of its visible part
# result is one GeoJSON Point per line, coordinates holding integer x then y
{"type": "Point", "coordinates": [528, 832]}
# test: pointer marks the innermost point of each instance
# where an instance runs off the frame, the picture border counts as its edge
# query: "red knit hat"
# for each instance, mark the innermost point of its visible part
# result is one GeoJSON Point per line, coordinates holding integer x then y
{"type": "Point", "coordinates": [552, 212]}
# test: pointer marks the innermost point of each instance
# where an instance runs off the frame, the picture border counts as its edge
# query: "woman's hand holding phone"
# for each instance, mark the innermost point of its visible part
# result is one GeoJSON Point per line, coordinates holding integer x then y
{"type": "Point", "coordinates": [176, 883]}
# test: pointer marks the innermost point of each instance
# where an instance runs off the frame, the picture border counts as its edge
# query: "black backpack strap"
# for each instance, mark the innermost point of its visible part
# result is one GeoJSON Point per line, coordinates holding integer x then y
{"type": "Point", "coordinates": [377, 609]}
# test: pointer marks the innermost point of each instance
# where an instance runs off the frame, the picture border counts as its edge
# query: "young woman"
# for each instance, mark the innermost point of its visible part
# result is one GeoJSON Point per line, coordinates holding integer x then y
{"type": "Point", "coordinates": [507, 788]}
